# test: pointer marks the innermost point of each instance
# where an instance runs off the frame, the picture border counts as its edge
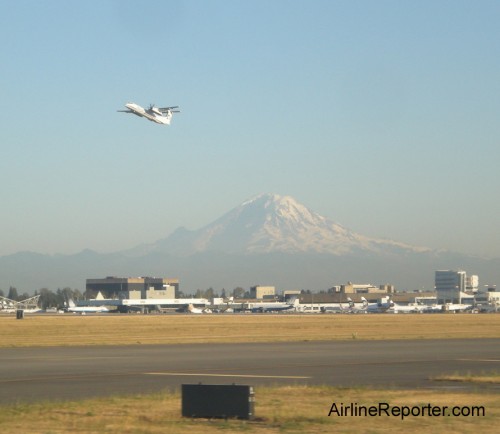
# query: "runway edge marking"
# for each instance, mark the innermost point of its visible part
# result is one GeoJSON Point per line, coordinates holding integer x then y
{"type": "Point", "coordinates": [174, 374]}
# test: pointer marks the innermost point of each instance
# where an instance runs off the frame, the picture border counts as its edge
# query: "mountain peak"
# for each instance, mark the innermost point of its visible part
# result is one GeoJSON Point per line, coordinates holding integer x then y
{"type": "Point", "coordinates": [283, 206]}
{"type": "Point", "coordinates": [269, 199]}
{"type": "Point", "coordinates": [270, 223]}
{"type": "Point", "coordinates": [276, 206]}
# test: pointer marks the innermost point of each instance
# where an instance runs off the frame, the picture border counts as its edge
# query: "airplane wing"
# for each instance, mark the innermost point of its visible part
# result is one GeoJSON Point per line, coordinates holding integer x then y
{"type": "Point", "coordinates": [169, 109]}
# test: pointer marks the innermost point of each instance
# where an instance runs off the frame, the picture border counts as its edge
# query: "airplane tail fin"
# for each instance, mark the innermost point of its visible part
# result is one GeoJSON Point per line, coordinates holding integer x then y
{"type": "Point", "coordinates": [71, 303]}
{"type": "Point", "coordinates": [168, 113]}
{"type": "Point", "coordinates": [168, 118]}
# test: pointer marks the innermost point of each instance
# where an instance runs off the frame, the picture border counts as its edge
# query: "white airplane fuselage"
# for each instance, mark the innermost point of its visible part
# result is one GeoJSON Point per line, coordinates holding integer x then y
{"type": "Point", "coordinates": [191, 309]}
{"type": "Point", "coordinates": [87, 309]}
{"type": "Point", "coordinates": [152, 114]}
{"type": "Point", "coordinates": [72, 308]}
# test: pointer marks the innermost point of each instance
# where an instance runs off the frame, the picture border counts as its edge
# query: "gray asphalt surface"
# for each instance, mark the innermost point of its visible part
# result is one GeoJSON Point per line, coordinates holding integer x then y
{"type": "Point", "coordinates": [31, 374]}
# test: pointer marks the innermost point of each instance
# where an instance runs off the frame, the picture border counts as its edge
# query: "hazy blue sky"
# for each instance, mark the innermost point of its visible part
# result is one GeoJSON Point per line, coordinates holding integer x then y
{"type": "Point", "coordinates": [382, 115]}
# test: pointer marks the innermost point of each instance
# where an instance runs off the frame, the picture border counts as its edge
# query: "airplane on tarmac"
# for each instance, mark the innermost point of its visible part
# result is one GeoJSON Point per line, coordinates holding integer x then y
{"type": "Point", "coordinates": [292, 305]}
{"type": "Point", "coordinates": [448, 307]}
{"type": "Point", "coordinates": [160, 115]}
{"type": "Point", "coordinates": [456, 307]}
{"type": "Point", "coordinates": [333, 308]}
{"type": "Point", "coordinates": [191, 309]}
{"type": "Point", "coordinates": [341, 307]}
{"type": "Point", "coordinates": [357, 307]}
{"type": "Point", "coordinates": [225, 307]}
{"type": "Point", "coordinates": [384, 305]}
{"type": "Point", "coordinates": [409, 308]}
{"type": "Point", "coordinates": [73, 308]}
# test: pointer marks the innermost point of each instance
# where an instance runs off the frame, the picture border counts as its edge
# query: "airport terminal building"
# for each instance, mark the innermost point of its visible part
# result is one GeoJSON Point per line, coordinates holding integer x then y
{"type": "Point", "coordinates": [450, 286]}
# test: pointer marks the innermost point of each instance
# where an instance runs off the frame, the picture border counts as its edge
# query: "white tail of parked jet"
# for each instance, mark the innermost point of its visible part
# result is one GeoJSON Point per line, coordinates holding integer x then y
{"type": "Point", "coordinates": [383, 305]}
{"type": "Point", "coordinates": [72, 307]}
{"type": "Point", "coordinates": [356, 307]}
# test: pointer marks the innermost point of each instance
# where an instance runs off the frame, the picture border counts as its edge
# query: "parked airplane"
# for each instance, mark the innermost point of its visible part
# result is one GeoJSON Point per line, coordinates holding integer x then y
{"type": "Point", "coordinates": [357, 307]}
{"type": "Point", "coordinates": [448, 307]}
{"type": "Point", "coordinates": [225, 307]}
{"type": "Point", "coordinates": [192, 309]}
{"type": "Point", "coordinates": [33, 310]}
{"type": "Point", "coordinates": [456, 307]}
{"type": "Point", "coordinates": [349, 307]}
{"type": "Point", "coordinates": [409, 308]}
{"type": "Point", "coordinates": [160, 115]}
{"type": "Point", "coordinates": [277, 306]}
{"type": "Point", "coordinates": [72, 307]}
{"type": "Point", "coordinates": [384, 305]}
{"type": "Point", "coordinates": [334, 308]}
{"type": "Point", "coordinates": [488, 307]}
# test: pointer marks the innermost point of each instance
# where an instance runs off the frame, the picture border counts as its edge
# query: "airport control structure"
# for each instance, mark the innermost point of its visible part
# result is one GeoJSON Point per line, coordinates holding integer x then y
{"type": "Point", "coordinates": [454, 291]}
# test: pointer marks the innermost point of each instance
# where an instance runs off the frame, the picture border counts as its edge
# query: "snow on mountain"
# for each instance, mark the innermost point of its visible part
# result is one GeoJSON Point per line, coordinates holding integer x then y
{"type": "Point", "coordinates": [271, 223]}
{"type": "Point", "coordinates": [268, 239]}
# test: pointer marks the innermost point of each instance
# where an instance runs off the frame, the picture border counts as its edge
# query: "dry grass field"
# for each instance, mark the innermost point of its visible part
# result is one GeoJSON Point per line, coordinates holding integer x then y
{"type": "Point", "coordinates": [493, 377]}
{"type": "Point", "coordinates": [116, 329]}
{"type": "Point", "coordinates": [293, 409]}
{"type": "Point", "coordinates": [278, 410]}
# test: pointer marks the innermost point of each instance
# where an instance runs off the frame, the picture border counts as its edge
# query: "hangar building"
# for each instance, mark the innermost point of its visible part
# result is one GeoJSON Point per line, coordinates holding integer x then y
{"type": "Point", "coordinates": [260, 292]}
{"type": "Point", "coordinates": [134, 288]}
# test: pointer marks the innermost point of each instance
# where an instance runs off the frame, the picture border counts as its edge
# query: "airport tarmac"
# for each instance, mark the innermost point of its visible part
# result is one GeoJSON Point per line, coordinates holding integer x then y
{"type": "Point", "coordinates": [62, 373]}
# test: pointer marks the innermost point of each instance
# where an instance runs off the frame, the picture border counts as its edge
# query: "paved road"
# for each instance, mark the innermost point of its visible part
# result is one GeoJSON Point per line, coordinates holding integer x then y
{"type": "Point", "coordinates": [30, 374]}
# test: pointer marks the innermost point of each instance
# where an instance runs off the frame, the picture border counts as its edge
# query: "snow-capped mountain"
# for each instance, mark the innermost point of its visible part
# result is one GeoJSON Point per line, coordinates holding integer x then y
{"type": "Point", "coordinates": [269, 239]}
{"type": "Point", "coordinates": [271, 223]}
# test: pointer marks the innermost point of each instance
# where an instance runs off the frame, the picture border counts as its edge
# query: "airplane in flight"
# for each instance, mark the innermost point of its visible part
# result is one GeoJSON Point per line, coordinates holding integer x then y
{"type": "Point", "coordinates": [160, 115]}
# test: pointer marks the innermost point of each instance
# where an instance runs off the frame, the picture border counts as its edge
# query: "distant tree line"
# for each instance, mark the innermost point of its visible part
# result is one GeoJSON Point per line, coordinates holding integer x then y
{"type": "Point", "coordinates": [209, 293]}
{"type": "Point", "coordinates": [58, 298]}
{"type": "Point", "coordinates": [13, 294]}
{"type": "Point", "coordinates": [47, 298]}
{"type": "Point", "coordinates": [238, 292]}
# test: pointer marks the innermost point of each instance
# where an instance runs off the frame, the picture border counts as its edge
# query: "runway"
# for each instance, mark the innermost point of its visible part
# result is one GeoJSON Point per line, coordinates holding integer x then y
{"type": "Point", "coordinates": [61, 373]}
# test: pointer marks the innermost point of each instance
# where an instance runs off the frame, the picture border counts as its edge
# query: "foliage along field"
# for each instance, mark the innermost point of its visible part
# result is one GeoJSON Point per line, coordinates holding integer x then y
{"type": "Point", "coordinates": [122, 329]}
